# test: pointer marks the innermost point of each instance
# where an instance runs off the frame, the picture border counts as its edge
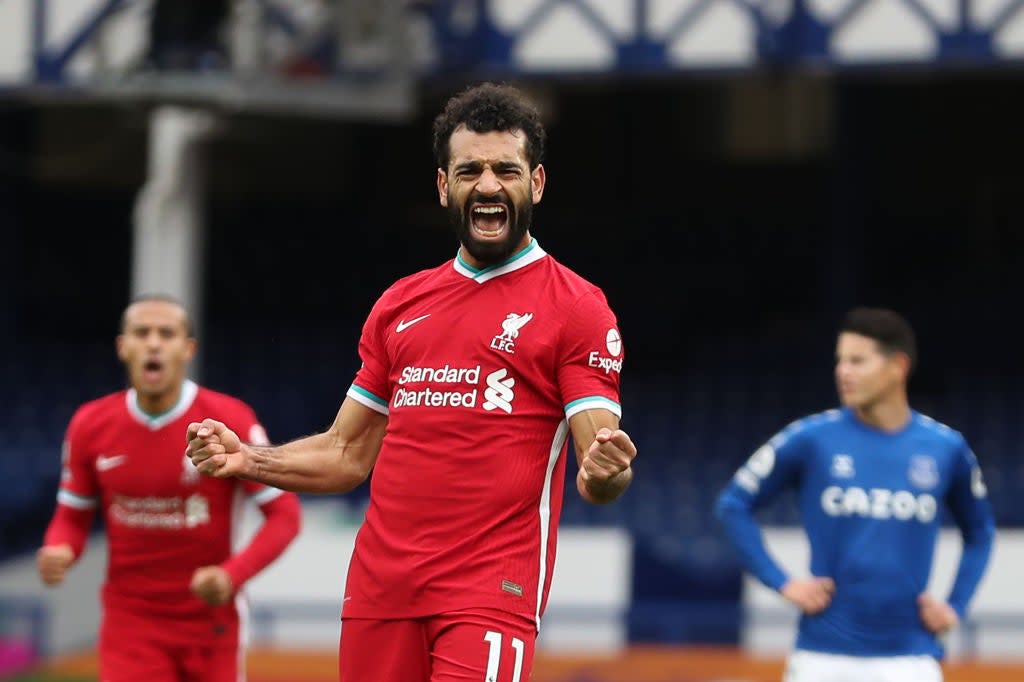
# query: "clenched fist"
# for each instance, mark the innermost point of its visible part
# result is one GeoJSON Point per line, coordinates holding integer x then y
{"type": "Point", "coordinates": [53, 562]}
{"type": "Point", "coordinates": [212, 584]}
{"type": "Point", "coordinates": [215, 449]}
{"type": "Point", "coordinates": [610, 454]}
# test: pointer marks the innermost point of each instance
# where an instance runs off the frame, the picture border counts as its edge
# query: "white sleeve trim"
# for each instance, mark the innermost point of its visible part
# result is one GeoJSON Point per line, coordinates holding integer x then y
{"type": "Point", "coordinates": [364, 397]}
{"type": "Point", "coordinates": [593, 403]}
{"type": "Point", "coordinates": [70, 499]}
{"type": "Point", "coordinates": [268, 494]}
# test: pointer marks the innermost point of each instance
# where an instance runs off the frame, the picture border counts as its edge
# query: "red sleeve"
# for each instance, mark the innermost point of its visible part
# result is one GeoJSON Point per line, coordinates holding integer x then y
{"type": "Point", "coordinates": [590, 357]}
{"type": "Point", "coordinates": [281, 511]}
{"type": "Point", "coordinates": [247, 425]}
{"type": "Point", "coordinates": [69, 527]}
{"type": "Point", "coordinates": [371, 387]}
{"type": "Point", "coordinates": [282, 520]}
{"type": "Point", "coordinates": [78, 493]}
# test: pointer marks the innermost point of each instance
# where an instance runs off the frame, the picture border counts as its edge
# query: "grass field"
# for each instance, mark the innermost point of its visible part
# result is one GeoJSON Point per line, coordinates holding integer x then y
{"type": "Point", "coordinates": [639, 664]}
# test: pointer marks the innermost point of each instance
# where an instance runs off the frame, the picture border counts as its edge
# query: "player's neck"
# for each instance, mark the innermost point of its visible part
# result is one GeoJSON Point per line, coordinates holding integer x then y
{"type": "Point", "coordinates": [890, 414]}
{"type": "Point", "coordinates": [480, 265]}
{"type": "Point", "coordinates": [156, 404]}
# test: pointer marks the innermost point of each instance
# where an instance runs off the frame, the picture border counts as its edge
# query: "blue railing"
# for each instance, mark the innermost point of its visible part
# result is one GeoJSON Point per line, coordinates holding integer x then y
{"type": "Point", "coordinates": [473, 37]}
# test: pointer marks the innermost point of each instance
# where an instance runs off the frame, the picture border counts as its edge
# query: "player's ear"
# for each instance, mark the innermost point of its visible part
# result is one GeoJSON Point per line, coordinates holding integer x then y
{"type": "Point", "coordinates": [119, 345]}
{"type": "Point", "coordinates": [902, 362]}
{"type": "Point", "coordinates": [190, 348]}
{"type": "Point", "coordinates": [538, 178]}
{"type": "Point", "coordinates": [442, 187]}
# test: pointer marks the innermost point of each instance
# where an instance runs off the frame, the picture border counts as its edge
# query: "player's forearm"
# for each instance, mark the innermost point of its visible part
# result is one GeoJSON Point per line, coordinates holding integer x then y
{"type": "Point", "coordinates": [317, 464]}
{"type": "Point", "coordinates": [974, 560]}
{"type": "Point", "coordinates": [736, 516]}
{"type": "Point", "coordinates": [281, 523]}
{"type": "Point", "coordinates": [69, 527]}
{"type": "Point", "coordinates": [603, 491]}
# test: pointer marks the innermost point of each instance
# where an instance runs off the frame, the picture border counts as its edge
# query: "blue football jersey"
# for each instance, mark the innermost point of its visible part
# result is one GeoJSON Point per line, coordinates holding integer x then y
{"type": "Point", "coordinates": [870, 502]}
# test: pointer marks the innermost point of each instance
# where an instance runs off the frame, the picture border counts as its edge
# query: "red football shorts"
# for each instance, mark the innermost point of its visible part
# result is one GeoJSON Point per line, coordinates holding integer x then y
{"type": "Point", "coordinates": [477, 645]}
{"type": "Point", "coordinates": [131, 654]}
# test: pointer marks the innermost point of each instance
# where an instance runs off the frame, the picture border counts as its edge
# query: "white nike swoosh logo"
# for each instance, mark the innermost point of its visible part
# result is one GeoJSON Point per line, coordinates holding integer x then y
{"type": "Point", "coordinates": [104, 463]}
{"type": "Point", "coordinates": [403, 325]}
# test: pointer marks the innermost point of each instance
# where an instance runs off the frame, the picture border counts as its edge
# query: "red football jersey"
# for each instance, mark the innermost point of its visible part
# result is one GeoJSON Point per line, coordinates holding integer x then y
{"type": "Point", "coordinates": [478, 372]}
{"type": "Point", "coordinates": [163, 519]}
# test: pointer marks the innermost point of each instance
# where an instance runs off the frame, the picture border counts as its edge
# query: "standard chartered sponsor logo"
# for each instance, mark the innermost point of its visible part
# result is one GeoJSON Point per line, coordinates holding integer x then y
{"type": "Point", "coordinates": [878, 503]}
{"type": "Point", "coordinates": [446, 374]}
{"type": "Point", "coordinates": [499, 393]}
{"type": "Point", "coordinates": [170, 513]}
{"type": "Point", "coordinates": [428, 397]}
{"type": "Point", "coordinates": [431, 397]}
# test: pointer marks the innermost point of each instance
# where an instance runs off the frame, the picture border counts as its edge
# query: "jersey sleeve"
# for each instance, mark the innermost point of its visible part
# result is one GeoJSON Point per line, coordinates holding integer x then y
{"type": "Point", "coordinates": [968, 502]}
{"type": "Point", "coordinates": [281, 512]}
{"type": "Point", "coordinates": [282, 520]}
{"type": "Point", "coordinates": [590, 357]}
{"type": "Point", "coordinates": [79, 488]}
{"type": "Point", "coordinates": [371, 387]}
{"type": "Point", "coordinates": [252, 431]}
{"type": "Point", "coordinates": [774, 466]}
{"type": "Point", "coordinates": [78, 494]}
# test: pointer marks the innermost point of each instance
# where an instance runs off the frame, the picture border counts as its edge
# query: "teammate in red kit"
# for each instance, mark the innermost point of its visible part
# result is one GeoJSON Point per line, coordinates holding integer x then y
{"type": "Point", "coordinates": [171, 599]}
{"type": "Point", "coordinates": [474, 374]}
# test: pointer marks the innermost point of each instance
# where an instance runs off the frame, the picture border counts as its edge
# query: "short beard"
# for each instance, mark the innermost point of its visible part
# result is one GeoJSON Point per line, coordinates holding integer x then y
{"type": "Point", "coordinates": [490, 253]}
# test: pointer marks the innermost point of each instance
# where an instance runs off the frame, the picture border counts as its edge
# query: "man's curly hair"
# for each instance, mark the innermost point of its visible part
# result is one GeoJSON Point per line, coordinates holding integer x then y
{"type": "Point", "coordinates": [487, 108]}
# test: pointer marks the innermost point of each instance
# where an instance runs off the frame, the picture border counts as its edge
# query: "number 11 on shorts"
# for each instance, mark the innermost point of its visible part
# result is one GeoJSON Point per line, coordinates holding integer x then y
{"type": "Point", "coordinates": [494, 656]}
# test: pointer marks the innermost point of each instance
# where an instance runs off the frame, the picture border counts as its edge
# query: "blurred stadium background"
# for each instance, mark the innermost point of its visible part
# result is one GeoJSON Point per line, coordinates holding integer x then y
{"type": "Point", "coordinates": [734, 173]}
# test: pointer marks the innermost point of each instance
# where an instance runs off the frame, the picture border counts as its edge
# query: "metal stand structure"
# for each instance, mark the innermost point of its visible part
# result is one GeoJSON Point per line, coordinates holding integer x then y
{"type": "Point", "coordinates": [346, 60]}
{"type": "Point", "coordinates": [168, 220]}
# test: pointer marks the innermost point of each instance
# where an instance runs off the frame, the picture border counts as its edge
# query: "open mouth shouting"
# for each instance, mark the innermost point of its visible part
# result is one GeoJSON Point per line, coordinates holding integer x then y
{"type": "Point", "coordinates": [490, 227]}
{"type": "Point", "coordinates": [152, 370]}
{"type": "Point", "coordinates": [489, 221]}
